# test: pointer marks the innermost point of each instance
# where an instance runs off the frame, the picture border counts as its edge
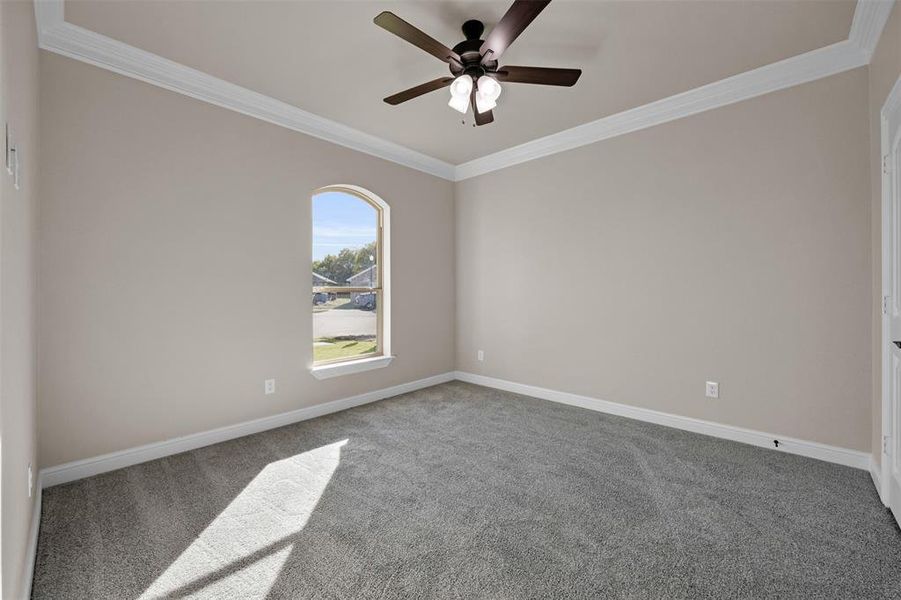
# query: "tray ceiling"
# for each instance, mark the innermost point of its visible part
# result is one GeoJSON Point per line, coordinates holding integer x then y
{"type": "Point", "coordinates": [328, 57]}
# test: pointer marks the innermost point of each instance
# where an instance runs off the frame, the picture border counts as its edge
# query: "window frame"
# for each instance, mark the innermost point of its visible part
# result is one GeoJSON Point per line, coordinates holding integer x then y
{"type": "Point", "coordinates": [381, 288]}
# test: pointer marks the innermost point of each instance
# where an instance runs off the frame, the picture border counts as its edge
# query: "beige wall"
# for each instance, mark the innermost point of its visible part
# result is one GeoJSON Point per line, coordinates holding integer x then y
{"type": "Point", "coordinates": [733, 245]}
{"type": "Point", "coordinates": [885, 68]}
{"type": "Point", "coordinates": [18, 107]}
{"type": "Point", "coordinates": [172, 230]}
{"type": "Point", "coordinates": [174, 265]}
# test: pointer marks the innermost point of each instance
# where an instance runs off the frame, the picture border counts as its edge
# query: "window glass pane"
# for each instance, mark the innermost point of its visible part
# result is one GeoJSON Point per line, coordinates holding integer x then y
{"type": "Point", "coordinates": [345, 325]}
{"type": "Point", "coordinates": [345, 255]}
{"type": "Point", "coordinates": [345, 234]}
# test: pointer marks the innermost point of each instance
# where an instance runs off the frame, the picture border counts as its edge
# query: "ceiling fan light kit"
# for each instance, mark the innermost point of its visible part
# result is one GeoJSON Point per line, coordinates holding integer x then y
{"type": "Point", "coordinates": [473, 62]}
{"type": "Point", "coordinates": [487, 93]}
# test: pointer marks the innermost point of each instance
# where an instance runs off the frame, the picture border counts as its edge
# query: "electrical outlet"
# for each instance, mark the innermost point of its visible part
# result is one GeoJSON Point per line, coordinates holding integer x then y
{"type": "Point", "coordinates": [30, 481]}
{"type": "Point", "coordinates": [269, 386]}
{"type": "Point", "coordinates": [713, 389]}
{"type": "Point", "coordinates": [480, 355]}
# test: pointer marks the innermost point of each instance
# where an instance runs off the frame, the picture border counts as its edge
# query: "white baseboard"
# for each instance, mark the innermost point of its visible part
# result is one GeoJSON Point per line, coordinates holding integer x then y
{"type": "Point", "coordinates": [833, 454]}
{"type": "Point", "coordinates": [876, 474]}
{"type": "Point", "coordinates": [124, 458]}
{"type": "Point", "coordinates": [32, 549]}
{"type": "Point", "coordinates": [116, 460]}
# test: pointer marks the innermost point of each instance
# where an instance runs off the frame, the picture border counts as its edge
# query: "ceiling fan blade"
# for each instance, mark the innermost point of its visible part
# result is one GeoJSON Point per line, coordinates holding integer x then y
{"type": "Point", "coordinates": [391, 22]}
{"type": "Point", "coordinates": [510, 26]}
{"type": "Point", "coordinates": [484, 118]}
{"type": "Point", "coordinates": [419, 90]}
{"type": "Point", "coordinates": [481, 118]}
{"type": "Point", "coordinates": [539, 75]}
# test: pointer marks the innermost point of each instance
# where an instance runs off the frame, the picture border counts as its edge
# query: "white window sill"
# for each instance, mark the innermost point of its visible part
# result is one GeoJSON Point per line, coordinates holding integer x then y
{"type": "Point", "coordinates": [346, 368]}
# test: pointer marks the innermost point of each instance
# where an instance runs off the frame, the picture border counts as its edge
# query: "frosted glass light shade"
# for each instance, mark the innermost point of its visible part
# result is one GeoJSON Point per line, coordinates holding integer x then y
{"type": "Point", "coordinates": [484, 102]}
{"type": "Point", "coordinates": [459, 103]}
{"type": "Point", "coordinates": [490, 87]}
{"type": "Point", "coordinates": [461, 86]}
{"type": "Point", "coordinates": [487, 94]}
{"type": "Point", "coordinates": [460, 90]}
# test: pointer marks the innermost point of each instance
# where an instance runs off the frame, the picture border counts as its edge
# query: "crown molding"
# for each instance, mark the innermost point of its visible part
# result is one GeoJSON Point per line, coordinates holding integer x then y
{"type": "Point", "coordinates": [56, 35]}
{"type": "Point", "coordinates": [48, 14]}
{"type": "Point", "coordinates": [870, 17]}
{"type": "Point", "coordinates": [869, 20]}
{"type": "Point", "coordinates": [790, 72]}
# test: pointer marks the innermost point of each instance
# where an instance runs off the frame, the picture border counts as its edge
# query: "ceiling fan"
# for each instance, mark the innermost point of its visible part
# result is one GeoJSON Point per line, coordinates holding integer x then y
{"type": "Point", "coordinates": [473, 62]}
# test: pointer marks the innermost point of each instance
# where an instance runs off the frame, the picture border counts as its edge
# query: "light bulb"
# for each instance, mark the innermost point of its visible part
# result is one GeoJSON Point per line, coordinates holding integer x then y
{"type": "Point", "coordinates": [459, 103]}
{"type": "Point", "coordinates": [461, 86]}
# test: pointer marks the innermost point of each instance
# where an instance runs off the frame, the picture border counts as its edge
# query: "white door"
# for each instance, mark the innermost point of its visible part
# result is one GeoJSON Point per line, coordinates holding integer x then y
{"type": "Point", "coordinates": [891, 202]}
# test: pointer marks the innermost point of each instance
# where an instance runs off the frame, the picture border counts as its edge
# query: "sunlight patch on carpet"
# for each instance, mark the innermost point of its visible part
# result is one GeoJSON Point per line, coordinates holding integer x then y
{"type": "Point", "coordinates": [241, 553]}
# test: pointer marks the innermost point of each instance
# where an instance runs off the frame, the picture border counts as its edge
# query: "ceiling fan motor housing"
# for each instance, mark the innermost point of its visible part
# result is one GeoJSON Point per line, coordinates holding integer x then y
{"type": "Point", "coordinates": [468, 50]}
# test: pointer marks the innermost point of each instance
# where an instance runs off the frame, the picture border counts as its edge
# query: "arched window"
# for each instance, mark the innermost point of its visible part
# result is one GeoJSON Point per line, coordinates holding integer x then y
{"type": "Point", "coordinates": [350, 281]}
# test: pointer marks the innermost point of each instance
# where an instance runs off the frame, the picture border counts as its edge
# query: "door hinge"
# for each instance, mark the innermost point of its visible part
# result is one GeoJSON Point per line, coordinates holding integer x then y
{"type": "Point", "coordinates": [885, 443]}
{"type": "Point", "coordinates": [885, 304]}
{"type": "Point", "coordinates": [886, 165]}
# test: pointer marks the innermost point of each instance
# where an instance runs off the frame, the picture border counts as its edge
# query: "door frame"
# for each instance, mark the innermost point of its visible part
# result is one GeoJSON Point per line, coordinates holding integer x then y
{"type": "Point", "coordinates": [891, 103]}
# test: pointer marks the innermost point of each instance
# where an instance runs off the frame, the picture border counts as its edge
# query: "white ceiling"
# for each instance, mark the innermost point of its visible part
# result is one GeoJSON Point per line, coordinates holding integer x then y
{"type": "Point", "coordinates": [327, 57]}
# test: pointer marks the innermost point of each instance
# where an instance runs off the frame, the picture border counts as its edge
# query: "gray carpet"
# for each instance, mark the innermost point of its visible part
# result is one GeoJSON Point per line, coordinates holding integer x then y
{"type": "Point", "coordinates": [458, 491]}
